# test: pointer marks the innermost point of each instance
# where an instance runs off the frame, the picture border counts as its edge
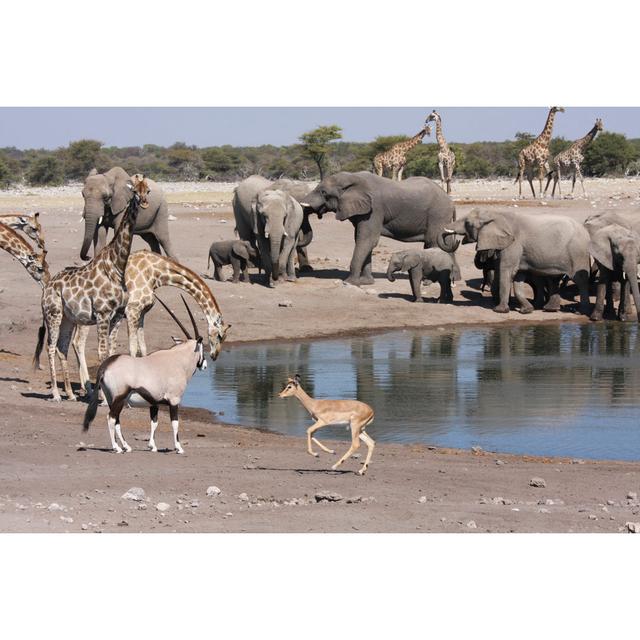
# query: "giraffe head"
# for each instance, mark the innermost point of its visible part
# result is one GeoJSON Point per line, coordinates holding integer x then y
{"type": "Point", "coordinates": [557, 109]}
{"type": "Point", "coordinates": [37, 267]}
{"type": "Point", "coordinates": [432, 117]}
{"type": "Point", "coordinates": [140, 188]}
{"type": "Point", "coordinates": [599, 126]}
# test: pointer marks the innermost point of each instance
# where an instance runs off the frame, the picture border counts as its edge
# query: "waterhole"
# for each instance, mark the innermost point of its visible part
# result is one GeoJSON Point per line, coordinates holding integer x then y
{"type": "Point", "coordinates": [548, 389]}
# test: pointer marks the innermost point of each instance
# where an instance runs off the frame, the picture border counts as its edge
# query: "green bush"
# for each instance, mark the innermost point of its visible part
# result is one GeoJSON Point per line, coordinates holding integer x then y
{"type": "Point", "coordinates": [46, 170]}
{"type": "Point", "coordinates": [9, 172]}
{"type": "Point", "coordinates": [80, 157]}
{"type": "Point", "coordinates": [609, 154]}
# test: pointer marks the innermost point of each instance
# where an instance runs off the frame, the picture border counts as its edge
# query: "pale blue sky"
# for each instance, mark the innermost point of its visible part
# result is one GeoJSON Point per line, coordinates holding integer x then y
{"type": "Point", "coordinates": [47, 127]}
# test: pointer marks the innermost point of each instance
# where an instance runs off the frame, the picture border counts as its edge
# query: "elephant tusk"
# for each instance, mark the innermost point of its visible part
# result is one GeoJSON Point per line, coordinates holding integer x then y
{"type": "Point", "coordinates": [286, 235]}
{"type": "Point", "coordinates": [81, 218]}
{"type": "Point", "coordinates": [449, 231]}
{"type": "Point", "coordinates": [100, 220]}
{"type": "Point", "coordinates": [266, 235]}
{"type": "Point", "coordinates": [305, 204]}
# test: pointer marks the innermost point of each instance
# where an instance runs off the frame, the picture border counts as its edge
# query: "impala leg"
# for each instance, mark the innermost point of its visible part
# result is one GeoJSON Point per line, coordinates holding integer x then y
{"type": "Point", "coordinates": [173, 413]}
{"type": "Point", "coordinates": [325, 449]}
{"type": "Point", "coordinates": [153, 412]}
{"type": "Point", "coordinates": [310, 431]}
{"type": "Point", "coordinates": [368, 440]}
{"type": "Point", "coordinates": [355, 445]}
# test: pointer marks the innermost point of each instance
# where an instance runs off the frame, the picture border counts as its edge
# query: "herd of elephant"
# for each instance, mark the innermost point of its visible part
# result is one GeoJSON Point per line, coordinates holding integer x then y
{"type": "Point", "coordinates": [512, 247]}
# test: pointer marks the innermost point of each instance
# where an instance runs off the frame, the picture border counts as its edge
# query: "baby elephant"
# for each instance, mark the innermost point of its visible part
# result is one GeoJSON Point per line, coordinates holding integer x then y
{"type": "Point", "coordinates": [429, 264]}
{"type": "Point", "coordinates": [238, 253]}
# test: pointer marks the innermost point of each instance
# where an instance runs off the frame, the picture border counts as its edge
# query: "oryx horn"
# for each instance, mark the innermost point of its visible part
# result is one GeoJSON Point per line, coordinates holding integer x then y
{"type": "Point", "coordinates": [193, 321]}
{"type": "Point", "coordinates": [173, 315]}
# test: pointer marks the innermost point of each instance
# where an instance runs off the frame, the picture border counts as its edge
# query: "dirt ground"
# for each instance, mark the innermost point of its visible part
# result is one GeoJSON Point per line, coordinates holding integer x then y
{"type": "Point", "coordinates": [51, 481]}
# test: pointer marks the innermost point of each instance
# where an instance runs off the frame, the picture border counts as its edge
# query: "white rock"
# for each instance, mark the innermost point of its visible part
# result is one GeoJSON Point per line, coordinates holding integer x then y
{"type": "Point", "coordinates": [472, 525]}
{"type": "Point", "coordinates": [54, 506]}
{"type": "Point", "coordinates": [66, 519]}
{"type": "Point", "coordinates": [422, 499]}
{"type": "Point", "coordinates": [135, 493]}
{"type": "Point", "coordinates": [285, 303]}
{"type": "Point", "coordinates": [537, 482]}
{"type": "Point", "coordinates": [633, 527]}
{"type": "Point", "coordinates": [244, 497]}
{"type": "Point", "coordinates": [163, 506]}
{"type": "Point", "coordinates": [213, 491]}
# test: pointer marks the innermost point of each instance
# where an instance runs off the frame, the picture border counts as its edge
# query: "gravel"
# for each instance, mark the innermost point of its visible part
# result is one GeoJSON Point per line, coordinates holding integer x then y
{"type": "Point", "coordinates": [135, 493]}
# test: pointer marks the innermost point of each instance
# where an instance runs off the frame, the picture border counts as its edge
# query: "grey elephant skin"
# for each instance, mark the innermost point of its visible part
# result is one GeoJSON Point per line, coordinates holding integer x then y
{"type": "Point", "coordinates": [432, 264]}
{"type": "Point", "coordinates": [605, 259]}
{"type": "Point", "coordinates": [244, 196]}
{"type": "Point", "coordinates": [277, 218]}
{"type": "Point", "coordinates": [616, 250]}
{"type": "Point", "coordinates": [541, 245]}
{"type": "Point", "coordinates": [238, 253]}
{"type": "Point", "coordinates": [106, 196]}
{"type": "Point", "coordinates": [414, 210]}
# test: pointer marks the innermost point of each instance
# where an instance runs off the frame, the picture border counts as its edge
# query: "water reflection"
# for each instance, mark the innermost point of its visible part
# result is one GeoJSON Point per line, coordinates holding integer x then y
{"type": "Point", "coordinates": [563, 389]}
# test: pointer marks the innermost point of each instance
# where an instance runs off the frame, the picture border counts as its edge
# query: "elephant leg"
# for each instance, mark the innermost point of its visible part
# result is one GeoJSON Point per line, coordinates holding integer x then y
{"type": "Point", "coordinates": [603, 289]}
{"type": "Point", "coordinates": [291, 266]}
{"type": "Point", "coordinates": [446, 295]}
{"type": "Point", "coordinates": [581, 278]}
{"type": "Point", "coordinates": [237, 267]}
{"type": "Point", "coordinates": [303, 259]}
{"type": "Point", "coordinates": [415, 276]}
{"type": "Point", "coordinates": [553, 303]}
{"type": "Point", "coordinates": [217, 272]}
{"type": "Point", "coordinates": [518, 289]}
{"type": "Point", "coordinates": [504, 289]}
{"type": "Point", "coordinates": [152, 241]}
{"type": "Point", "coordinates": [265, 259]}
{"type": "Point", "coordinates": [366, 238]}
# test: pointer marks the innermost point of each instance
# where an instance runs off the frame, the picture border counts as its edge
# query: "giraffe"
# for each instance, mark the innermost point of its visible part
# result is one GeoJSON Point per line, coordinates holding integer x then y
{"type": "Point", "coordinates": [396, 157]}
{"type": "Point", "coordinates": [36, 264]}
{"type": "Point", "coordinates": [28, 224]}
{"type": "Point", "coordinates": [92, 294]}
{"type": "Point", "coordinates": [536, 155]}
{"type": "Point", "coordinates": [145, 273]}
{"type": "Point", "coordinates": [569, 161]}
{"type": "Point", "coordinates": [446, 157]}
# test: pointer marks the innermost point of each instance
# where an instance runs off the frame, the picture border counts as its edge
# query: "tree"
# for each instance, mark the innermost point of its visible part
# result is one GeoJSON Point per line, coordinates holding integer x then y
{"type": "Point", "coordinates": [608, 153]}
{"type": "Point", "coordinates": [316, 144]}
{"type": "Point", "coordinates": [46, 170]}
{"type": "Point", "coordinates": [9, 171]}
{"type": "Point", "coordinates": [80, 157]}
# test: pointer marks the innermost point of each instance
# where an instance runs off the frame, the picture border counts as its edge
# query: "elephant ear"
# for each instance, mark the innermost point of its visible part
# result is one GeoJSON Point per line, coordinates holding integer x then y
{"type": "Point", "coordinates": [121, 193]}
{"type": "Point", "coordinates": [240, 250]}
{"type": "Point", "coordinates": [411, 260]}
{"type": "Point", "coordinates": [600, 249]}
{"type": "Point", "coordinates": [354, 201]}
{"type": "Point", "coordinates": [496, 234]}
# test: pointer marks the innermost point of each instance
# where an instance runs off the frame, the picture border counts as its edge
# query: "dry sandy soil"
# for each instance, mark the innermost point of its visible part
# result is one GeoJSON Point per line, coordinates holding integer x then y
{"type": "Point", "coordinates": [49, 482]}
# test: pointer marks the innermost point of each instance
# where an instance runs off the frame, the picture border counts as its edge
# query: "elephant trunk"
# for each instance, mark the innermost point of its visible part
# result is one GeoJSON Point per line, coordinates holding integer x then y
{"type": "Point", "coordinates": [275, 243]}
{"type": "Point", "coordinates": [391, 269]}
{"type": "Point", "coordinates": [314, 203]}
{"type": "Point", "coordinates": [92, 218]}
{"type": "Point", "coordinates": [447, 241]}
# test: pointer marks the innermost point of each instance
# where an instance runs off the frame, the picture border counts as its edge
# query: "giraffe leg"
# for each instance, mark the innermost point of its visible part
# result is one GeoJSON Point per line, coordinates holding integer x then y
{"type": "Point", "coordinates": [53, 331]}
{"type": "Point", "coordinates": [103, 339]}
{"type": "Point", "coordinates": [400, 170]}
{"type": "Point", "coordinates": [530, 181]}
{"type": "Point", "coordinates": [133, 322]}
{"type": "Point", "coordinates": [142, 345]}
{"type": "Point", "coordinates": [79, 346]}
{"type": "Point", "coordinates": [441, 167]}
{"type": "Point", "coordinates": [557, 182]}
{"type": "Point", "coordinates": [394, 173]}
{"type": "Point", "coordinates": [579, 172]}
{"type": "Point", "coordinates": [113, 333]}
{"type": "Point", "coordinates": [64, 340]}
{"type": "Point", "coordinates": [355, 443]}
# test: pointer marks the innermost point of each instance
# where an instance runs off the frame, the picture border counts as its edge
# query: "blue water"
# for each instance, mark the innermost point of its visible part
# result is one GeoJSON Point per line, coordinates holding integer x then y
{"type": "Point", "coordinates": [562, 389]}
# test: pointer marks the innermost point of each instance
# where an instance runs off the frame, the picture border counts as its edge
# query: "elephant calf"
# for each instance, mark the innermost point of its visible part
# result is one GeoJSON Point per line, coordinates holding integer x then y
{"type": "Point", "coordinates": [238, 253]}
{"type": "Point", "coordinates": [428, 264]}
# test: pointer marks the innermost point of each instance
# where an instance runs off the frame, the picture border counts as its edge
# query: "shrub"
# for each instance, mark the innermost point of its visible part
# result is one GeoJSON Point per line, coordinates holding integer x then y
{"type": "Point", "coordinates": [46, 170]}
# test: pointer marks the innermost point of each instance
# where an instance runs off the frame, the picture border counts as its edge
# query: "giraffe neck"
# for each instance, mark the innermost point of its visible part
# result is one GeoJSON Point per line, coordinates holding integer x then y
{"type": "Point", "coordinates": [585, 141]}
{"type": "Point", "coordinates": [545, 136]}
{"type": "Point", "coordinates": [412, 142]}
{"type": "Point", "coordinates": [442, 143]}
{"type": "Point", "coordinates": [175, 275]}
{"type": "Point", "coordinates": [118, 250]}
{"type": "Point", "coordinates": [13, 244]}
{"type": "Point", "coordinates": [307, 401]}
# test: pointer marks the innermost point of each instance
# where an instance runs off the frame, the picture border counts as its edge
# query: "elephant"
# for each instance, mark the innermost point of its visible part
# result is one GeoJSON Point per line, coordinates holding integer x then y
{"type": "Point", "coordinates": [414, 210]}
{"type": "Point", "coordinates": [541, 245]}
{"type": "Point", "coordinates": [609, 282]}
{"type": "Point", "coordinates": [244, 195]}
{"type": "Point", "coordinates": [429, 264]}
{"type": "Point", "coordinates": [277, 220]}
{"type": "Point", "coordinates": [616, 250]}
{"type": "Point", "coordinates": [238, 253]}
{"type": "Point", "coordinates": [106, 196]}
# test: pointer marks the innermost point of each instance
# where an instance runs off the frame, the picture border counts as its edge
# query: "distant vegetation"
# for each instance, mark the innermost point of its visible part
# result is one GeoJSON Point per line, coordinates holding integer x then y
{"type": "Point", "coordinates": [612, 154]}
